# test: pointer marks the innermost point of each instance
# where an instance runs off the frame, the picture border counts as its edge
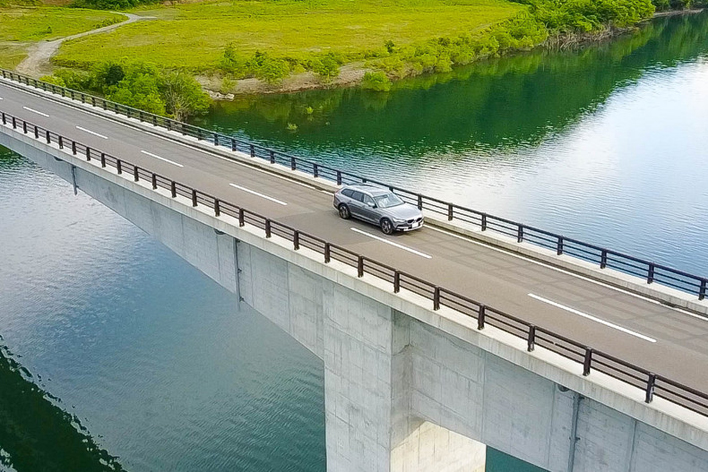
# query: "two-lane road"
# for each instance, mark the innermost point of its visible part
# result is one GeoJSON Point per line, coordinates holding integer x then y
{"type": "Point", "coordinates": [664, 340]}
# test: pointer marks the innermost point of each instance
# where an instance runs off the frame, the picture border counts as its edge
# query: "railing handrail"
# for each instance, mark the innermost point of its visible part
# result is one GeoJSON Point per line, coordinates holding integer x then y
{"type": "Point", "coordinates": [606, 258]}
{"type": "Point", "coordinates": [685, 396]}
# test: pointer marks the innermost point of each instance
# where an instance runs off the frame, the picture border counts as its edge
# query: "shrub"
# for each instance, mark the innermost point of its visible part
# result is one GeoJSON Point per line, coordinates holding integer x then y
{"type": "Point", "coordinates": [327, 67]}
{"type": "Point", "coordinates": [376, 81]}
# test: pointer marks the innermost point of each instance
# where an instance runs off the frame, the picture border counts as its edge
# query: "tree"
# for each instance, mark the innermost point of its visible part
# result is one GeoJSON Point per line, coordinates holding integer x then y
{"type": "Point", "coordinates": [183, 95]}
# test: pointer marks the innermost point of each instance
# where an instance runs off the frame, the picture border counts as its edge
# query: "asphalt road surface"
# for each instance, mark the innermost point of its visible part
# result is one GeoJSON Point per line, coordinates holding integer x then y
{"type": "Point", "coordinates": [664, 340]}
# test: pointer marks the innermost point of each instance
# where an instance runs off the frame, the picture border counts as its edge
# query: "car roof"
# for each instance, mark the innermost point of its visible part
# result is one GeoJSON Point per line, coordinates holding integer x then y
{"type": "Point", "coordinates": [373, 190]}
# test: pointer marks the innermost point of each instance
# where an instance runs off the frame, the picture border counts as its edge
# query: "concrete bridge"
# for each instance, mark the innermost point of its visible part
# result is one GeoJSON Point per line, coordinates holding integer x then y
{"type": "Point", "coordinates": [432, 342]}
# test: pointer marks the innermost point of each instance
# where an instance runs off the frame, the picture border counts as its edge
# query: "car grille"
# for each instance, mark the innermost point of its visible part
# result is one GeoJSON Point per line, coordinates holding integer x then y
{"type": "Point", "coordinates": [414, 220]}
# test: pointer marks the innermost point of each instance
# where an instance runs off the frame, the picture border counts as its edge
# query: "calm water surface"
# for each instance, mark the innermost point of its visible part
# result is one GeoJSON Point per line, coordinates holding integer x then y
{"type": "Point", "coordinates": [166, 371]}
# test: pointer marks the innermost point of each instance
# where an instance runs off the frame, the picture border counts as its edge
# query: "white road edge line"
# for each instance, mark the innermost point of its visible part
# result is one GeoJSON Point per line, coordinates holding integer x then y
{"type": "Point", "coordinates": [593, 318]}
{"type": "Point", "coordinates": [162, 158]}
{"type": "Point", "coordinates": [400, 246]}
{"type": "Point", "coordinates": [35, 111]}
{"type": "Point", "coordinates": [91, 132]}
{"type": "Point", "coordinates": [259, 194]}
{"type": "Point", "coordinates": [563, 271]}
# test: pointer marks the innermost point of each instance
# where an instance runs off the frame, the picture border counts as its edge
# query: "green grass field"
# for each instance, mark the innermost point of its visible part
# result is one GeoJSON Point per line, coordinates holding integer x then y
{"type": "Point", "coordinates": [45, 23]}
{"type": "Point", "coordinates": [193, 36]}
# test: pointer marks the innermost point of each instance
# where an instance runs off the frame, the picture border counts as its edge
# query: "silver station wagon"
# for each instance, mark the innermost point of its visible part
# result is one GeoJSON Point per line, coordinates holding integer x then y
{"type": "Point", "coordinates": [378, 206]}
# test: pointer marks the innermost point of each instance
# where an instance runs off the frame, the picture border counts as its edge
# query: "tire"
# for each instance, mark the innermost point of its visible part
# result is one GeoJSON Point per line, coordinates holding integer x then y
{"type": "Point", "coordinates": [387, 226]}
{"type": "Point", "coordinates": [344, 212]}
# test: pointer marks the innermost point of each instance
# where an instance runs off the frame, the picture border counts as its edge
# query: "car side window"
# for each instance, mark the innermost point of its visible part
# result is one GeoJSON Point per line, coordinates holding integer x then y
{"type": "Point", "coordinates": [358, 196]}
{"type": "Point", "coordinates": [368, 200]}
{"type": "Point", "coordinates": [347, 192]}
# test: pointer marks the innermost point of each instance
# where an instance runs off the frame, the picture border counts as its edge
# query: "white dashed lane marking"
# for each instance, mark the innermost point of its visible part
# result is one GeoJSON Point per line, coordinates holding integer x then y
{"type": "Point", "coordinates": [247, 190]}
{"type": "Point", "coordinates": [162, 159]}
{"type": "Point", "coordinates": [593, 318]}
{"type": "Point", "coordinates": [35, 111]}
{"type": "Point", "coordinates": [399, 246]}
{"type": "Point", "coordinates": [91, 132]}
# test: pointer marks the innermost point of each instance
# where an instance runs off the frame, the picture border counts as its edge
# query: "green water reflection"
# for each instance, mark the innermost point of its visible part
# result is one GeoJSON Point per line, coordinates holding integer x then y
{"type": "Point", "coordinates": [494, 104]}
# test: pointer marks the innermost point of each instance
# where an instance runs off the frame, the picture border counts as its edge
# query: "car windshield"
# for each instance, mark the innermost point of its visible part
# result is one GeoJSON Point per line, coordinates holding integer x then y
{"type": "Point", "coordinates": [388, 200]}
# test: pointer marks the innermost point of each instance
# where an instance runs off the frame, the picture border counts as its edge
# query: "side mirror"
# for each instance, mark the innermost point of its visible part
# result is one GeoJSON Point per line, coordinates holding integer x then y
{"type": "Point", "coordinates": [371, 204]}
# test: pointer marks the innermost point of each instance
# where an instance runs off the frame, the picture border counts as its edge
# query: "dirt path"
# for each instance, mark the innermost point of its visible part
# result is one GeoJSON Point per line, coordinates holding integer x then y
{"type": "Point", "coordinates": [37, 64]}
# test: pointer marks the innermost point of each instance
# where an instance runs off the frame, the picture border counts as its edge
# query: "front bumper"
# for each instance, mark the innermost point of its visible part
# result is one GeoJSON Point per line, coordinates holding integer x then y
{"type": "Point", "coordinates": [410, 226]}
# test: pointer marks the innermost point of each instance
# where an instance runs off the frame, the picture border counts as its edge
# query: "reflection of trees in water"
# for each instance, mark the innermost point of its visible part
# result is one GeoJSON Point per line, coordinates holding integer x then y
{"type": "Point", "coordinates": [9, 160]}
{"type": "Point", "coordinates": [36, 433]}
{"type": "Point", "coordinates": [494, 104]}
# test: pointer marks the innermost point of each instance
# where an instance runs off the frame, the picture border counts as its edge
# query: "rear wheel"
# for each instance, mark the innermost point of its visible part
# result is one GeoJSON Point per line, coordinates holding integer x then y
{"type": "Point", "coordinates": [387, 226]}
{"type": "Point", "coordinates": [344, 212]}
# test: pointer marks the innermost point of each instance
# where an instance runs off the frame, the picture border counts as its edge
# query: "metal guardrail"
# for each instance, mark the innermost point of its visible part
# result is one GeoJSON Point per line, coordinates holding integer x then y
{"type": "Point", "coordinates": [603, 257]}
{"type": "Point", "coordinates": [590, 359]}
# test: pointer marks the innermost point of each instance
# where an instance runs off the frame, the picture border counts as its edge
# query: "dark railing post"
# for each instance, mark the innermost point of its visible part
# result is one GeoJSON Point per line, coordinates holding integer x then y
{"type": "Point", "coordinates": [520, 234]}
{"type": "Point", "coordinates": [154, 181]}
{"type": "Point", "coordinates": [93, 101]}
{"type": "Point", "coordinates": [103, 159]}
{"type": "Point", "coordinates": [651, 384]}
{"type": "Point", "coordinates": [484, 222]}
{"type": "Point", "coordinates": [233, 144]}
{"type": "Point", "coordinates": [481, 316]}
{"type": "Point", "coordinates": [61, 142]}
{"type": "Point", "coordinates": [24, 127]}
{"type": "Point", "coordinates": [702, 289]}
{"type": "Point", "coordinates": [217, 207]}
{"type": "Point", "coordinates": [14, 123]}
{"type": "Point", "coordinates": [88, 153]}
{"type": "Point", "coordinates": [168, 123]}
{"type": "Point", "coordinates": [339, 177]}
{"type": "Point", "coordinates": [449, 212]}
{"type": "Point", "coordinates": [650, 275]}
{"type": "Point", "coordinates": [293, 163]}
{"type": "Point", "coordinates": [396, 281]}
{"type": "Point", "coordinates": [267, 228]}
{"type": "Point", "coordinates": [136, 175]}
{"type": "Point", "coordinates": [531, 341]}
{"type": "Point", "coordinates": [603, 259]}
{"type": "Point", "coordinates": [119, 166]}
{"type": "Point", "coordinates": [140, 115]}
{"type": "Point", "coordinates": [49, 138]}
{"type": "Point", "coordinates": [241, 217]}
{"type": "Point", "coordinates": [436, 299]}
{"type": "Point", "coordinates": [559, 249]}
{"type": "Point", "coordinates": [315, 170]}
{"type": "Point", "coordinates": [587, 361]}
{"type": "Point", "coordinates": [36, 132]}
{"type": "Point", "coordinates": [194, 197]}
{"type": "Point", "coordinates": [199, 134]}
{"type": "Point", "coordinates": [253, 151]}
{"type": "Point", "coordinates": [296, 240]}
{"type": "Point", "coordinates": [173, 189]}
{"type": "Point", "coordinates": [216, 139]}
{"type": "Point", "coordinates": [154, 120]}
{"type": "Point", "coordinates": [420, 201]}
{"type": "Point", "coordinates": [73, 147]}
{"type": "Point", "coordinates": [360, 267]}
{"type": "Point", "coordinates": [4, 118]}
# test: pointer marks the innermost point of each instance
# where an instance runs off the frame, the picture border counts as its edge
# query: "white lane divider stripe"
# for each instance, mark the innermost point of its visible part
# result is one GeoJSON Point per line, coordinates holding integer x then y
{"type": "Point", "coordinates": [35, 111]}
{"type": "Point", "coordinates": [162, 158]}
{"type": "Point", "coordinates": [91, 132]}
{"type": "Point", "coordinates": [593, 318]}
{"type": "Point", "coordinates": [259, 194]}
{"type": "Point", "coordinates": [399, 246]}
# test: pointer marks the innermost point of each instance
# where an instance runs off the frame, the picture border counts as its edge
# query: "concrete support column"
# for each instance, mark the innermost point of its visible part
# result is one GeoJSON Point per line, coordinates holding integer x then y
{"type": "Point", "coordinates": [369, 425]}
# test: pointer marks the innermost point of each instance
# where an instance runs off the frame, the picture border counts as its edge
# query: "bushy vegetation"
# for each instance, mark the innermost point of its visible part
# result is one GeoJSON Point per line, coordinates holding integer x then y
{"type": "Point", "coordinates": [376, 81]}
{"type": "Point", "coordinates": [140, 85]}
{"type": "Point", "coordinates": [110, 4]}
{"type": "Point", "coordinates": [589, 15]}
{"type": "Point", "coordinates": [274, 70]}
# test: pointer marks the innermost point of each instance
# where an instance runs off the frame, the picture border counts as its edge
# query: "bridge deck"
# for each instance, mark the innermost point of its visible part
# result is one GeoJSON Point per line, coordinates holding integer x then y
{"type": "Point", "coordinates": [666, 341]}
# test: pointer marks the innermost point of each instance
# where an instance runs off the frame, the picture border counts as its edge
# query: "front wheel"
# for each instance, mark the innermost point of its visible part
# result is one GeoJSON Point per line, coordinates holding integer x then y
{"type": "Point", "coordinates": [344, 212]}
{"type": "Point", "coordinates": [387, 226]}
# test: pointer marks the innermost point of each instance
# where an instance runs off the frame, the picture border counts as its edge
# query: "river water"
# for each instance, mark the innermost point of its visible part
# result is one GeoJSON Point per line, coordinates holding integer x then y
{"type": "Point", "coordinates": [166, 371]}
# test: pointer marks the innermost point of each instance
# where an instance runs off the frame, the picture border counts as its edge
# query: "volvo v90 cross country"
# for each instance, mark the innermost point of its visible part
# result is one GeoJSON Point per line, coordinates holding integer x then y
{"type": "Point", "coordinates": [378, 206]}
